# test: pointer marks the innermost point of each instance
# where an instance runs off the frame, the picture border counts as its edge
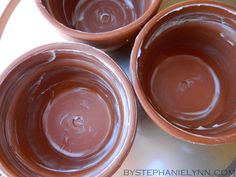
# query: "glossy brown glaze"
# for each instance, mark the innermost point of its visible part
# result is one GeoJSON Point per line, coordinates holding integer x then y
{"type": "Point", "coordinates": [95, 16]}
{"type": "Point", "coordinates": [64, 111]}
{"type": "Point", "coordinates": [107, 24]}
{"type": "Point", "coordinates": [183, 68]}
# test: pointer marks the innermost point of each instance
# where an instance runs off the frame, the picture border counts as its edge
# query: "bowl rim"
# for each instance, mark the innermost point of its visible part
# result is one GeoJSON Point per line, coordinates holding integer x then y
{"type": "Point", "coordinates": [107, 61]}
{"type": "Point", "coordinates": [156, 117]}
{"type": "Point", "coordinates": [109, 35]}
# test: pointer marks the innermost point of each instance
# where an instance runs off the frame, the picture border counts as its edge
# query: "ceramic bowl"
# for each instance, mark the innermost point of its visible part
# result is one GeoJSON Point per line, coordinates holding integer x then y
{"type": "Point", "coordinates": [106, 24]}
{"type": "Point", "coordinates": [65, 109]}
{"type": "Point", "coordinates": [183, 69]}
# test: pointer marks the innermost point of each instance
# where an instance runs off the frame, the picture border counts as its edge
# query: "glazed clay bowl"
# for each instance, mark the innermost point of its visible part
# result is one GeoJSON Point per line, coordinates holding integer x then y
{"type": "Point", "coordinates": [66, 109]}
{"type": "Point", "coordinates": [106, 24]}
{"type": "Point", "coordinates": [183, 71]}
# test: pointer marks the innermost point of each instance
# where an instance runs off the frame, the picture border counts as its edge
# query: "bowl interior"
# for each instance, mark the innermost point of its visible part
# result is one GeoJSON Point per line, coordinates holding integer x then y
{"type": "Point", "coordinates": [96, 16]}
{"type": "Point", "coordinates": [61, 112]}
{"type": "Point", "coordinates": [187, 66]}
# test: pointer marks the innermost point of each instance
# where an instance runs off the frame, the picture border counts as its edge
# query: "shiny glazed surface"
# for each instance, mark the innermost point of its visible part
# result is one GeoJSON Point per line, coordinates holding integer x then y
{"type": "Point", "coordinates": [95, 16]}
{"type": "Point", "coordinates": [186, 69]}
{"type": "Point", "coordinates": [105, 24]}
{"type": "Point", "coordinates": [64, 112]}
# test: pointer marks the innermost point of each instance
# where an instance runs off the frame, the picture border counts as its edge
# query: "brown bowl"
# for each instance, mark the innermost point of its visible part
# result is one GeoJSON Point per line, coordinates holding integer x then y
{"type": "Point", "coordinates": [183, 68]}
{"type": "Point", "coordinates": [106, 24]}
{"type": "Point", "coordinates": [65, 109]}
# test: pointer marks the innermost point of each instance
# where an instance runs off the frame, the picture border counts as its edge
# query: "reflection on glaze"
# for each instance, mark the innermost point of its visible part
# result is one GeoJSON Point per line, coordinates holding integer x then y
{"type": "Point", "coordinates": [203, 17]}
{"type": "Point", "coordinates": [186, 69]}
{"type": "Point", "coordinates": [95, 16]}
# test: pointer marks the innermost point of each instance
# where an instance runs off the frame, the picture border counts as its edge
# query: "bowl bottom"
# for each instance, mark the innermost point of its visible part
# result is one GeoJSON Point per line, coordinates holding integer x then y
{"type": "Point", "coordinates": [187, 90]}
{"type": "Point", "coordinates": [77, 122]}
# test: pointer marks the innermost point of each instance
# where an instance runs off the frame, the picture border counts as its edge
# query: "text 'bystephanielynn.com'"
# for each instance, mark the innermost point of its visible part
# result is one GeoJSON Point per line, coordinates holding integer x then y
{"type": "Point", "coordinates": [179, 172]}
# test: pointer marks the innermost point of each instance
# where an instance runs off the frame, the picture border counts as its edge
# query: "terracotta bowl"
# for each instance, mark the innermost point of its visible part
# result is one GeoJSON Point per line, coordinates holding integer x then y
{"type": "Point", "coordinates": [106, 24]}
{"type": "Point", "coordinates": [183, 71]}
{"type": "Point", "coordinates": [65, 110]}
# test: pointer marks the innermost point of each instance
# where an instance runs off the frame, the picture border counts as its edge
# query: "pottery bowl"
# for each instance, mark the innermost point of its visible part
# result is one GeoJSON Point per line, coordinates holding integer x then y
{"type": "Point", "coordinates": [66, 109]}
{"type": "Point", "coordinates": [183, 68]}
{"type": "Point", "coordinates": [106, 24]}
